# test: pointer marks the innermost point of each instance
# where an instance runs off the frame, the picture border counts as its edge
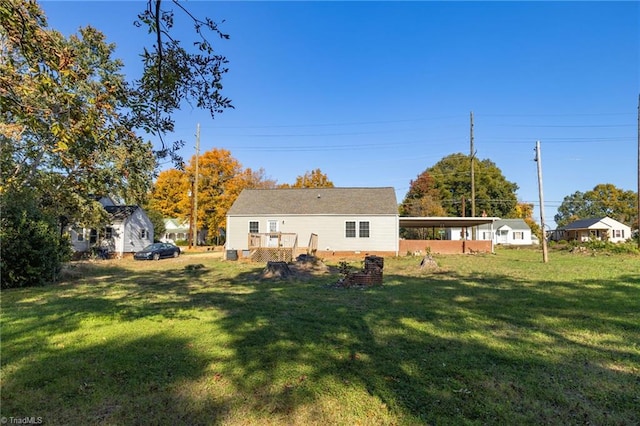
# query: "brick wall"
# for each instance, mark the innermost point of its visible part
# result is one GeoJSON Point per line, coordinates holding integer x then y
{"type": "Point", "coordinates": [443, 246]}
{"type": "Point", "coordinates": [325, 254]}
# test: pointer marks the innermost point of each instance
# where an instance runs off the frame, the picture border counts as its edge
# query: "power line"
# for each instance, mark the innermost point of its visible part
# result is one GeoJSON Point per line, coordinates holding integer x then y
{"type": "Point", "coordinates": [337, 124]}
{"type": "Point", "coordinates": [564, 125]}
{"type": "Point", "coordinates": [413, 120]}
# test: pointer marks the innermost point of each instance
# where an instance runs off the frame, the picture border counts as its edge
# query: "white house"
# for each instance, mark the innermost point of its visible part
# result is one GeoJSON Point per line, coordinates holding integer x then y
{"type": "Point", "coordinates": [603, 228]}
{"type": "Point", "coordinates": [346, 220]}
{"type": "Point", "coordinates": [175, 230]}
{"type": "Point", "coordinates": [502, 231]}
{"type": "Point", "coordinates": [129, 230]}
{"type": "Point", "coordinates": [507, 232]}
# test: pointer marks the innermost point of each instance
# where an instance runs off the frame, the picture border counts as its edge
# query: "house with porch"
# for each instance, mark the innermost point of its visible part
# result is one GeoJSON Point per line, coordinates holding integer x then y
{"type": "Point", "coordinates": [600, 228]}
{"type": "Point", "coordinates": [175, 230]}
{"type": "Point", "coordinates": [279, 224]}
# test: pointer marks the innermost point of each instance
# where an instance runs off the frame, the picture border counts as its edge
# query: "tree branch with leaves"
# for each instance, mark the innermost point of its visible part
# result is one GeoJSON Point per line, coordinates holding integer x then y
{"type": "Point", "coordinates": [173, 75]}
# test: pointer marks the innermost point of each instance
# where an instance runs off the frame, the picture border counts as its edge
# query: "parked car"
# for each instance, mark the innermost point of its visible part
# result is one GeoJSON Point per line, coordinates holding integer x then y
{"type": "Point", "coordinates": [156, 251]}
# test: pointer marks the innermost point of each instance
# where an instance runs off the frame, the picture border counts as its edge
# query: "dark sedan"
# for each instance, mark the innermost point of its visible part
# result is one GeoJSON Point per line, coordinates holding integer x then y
{"type": "Point", "coordinates": [156, 251]}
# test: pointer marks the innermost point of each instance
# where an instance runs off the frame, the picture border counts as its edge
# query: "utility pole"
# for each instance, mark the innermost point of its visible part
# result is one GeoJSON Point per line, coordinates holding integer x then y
{"type": "Point", "coordinates": [538, 159]}
{"type": "Point", "coordinates": [195, 194]}
{"type": "Point", "coordinates": [191, 194]}
{"type": "Point", "coordinates": [464, 214]}
{"type": "Point", "coordinates": [473, 178]}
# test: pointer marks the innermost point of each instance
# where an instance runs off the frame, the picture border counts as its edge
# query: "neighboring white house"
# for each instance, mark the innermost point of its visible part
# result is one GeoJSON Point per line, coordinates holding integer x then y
{"type": "Point", "coordinates": [329, 219]}
{"type": "Point", "coordinates": [602, 228]}
{"type": "Point", "coordinates": [502, 231]}
{"type": "Point", "coordinates": [129, 230]}
{"type": "Point", "coordinates": [507, 232]}
{"type": "Point", "coordinates": [175, 230]}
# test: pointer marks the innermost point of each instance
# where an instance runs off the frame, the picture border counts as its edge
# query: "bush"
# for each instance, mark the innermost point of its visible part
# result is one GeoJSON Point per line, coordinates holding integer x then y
{"type": "Point", "coordinates": [630, 247]}
{"type": "Point", "coordinates": [33, 248]}
{"type": "Point", "coordinates": [599, 246]}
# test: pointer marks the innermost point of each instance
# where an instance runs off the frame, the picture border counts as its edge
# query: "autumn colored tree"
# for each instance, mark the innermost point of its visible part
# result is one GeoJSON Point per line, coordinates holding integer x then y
{"type": "Point", "coordinates": [221, 178]}
{"type": "Point", "coordinates": [423, 198]}
{"type": "Point", "coordinates": [603, 200]}
{"type": "Point", "coordinates": [219, 184]}
{"type": "Point", "coordinates": [257, 179]}
{"type": "Point", "coordinates": [170, 194]}
{"type": "Point", "coordinates": [313, 179]}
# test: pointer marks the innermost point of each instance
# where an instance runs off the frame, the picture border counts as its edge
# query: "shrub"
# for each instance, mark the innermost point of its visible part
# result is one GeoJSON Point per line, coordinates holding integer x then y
{"type": "Point", "coordinates": [33, 247]}
{"type": "Point", "coordinates": [597, 246]}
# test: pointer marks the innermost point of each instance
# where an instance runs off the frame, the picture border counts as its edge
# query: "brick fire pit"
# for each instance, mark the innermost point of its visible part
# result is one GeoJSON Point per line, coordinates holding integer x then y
{"type": "Point", "coordinates": [369, 276]}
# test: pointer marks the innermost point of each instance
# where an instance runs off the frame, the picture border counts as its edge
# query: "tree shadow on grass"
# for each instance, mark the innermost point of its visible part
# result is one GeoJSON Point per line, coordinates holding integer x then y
{"type": "Point", "coordinates": [433, 348]}
{"type": "Point", "coordinates": [125, 381]}
{"type": "Point", "coordinates": [457, 347]}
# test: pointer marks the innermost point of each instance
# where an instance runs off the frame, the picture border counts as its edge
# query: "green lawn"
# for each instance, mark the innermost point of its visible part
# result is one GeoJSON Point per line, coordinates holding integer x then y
{"type": "Point", "coordinates": [486, 339]}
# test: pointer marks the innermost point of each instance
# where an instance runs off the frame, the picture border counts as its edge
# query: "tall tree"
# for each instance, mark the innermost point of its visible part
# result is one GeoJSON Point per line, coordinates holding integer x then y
{"type": "Point", "coordinates": [495, 195]}
{"type": "Point", "coordinates": [61, 130]}
{"type": "Point", "coordinates": [68, 116]}
{"type": "Point", "coordinates": [603, 200]}
{"type": "Point", "coordinates": [220, 182]}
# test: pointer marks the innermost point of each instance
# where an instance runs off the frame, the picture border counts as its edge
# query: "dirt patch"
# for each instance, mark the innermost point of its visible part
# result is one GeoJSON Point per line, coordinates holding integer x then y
{"type": "Point", "coordinates": [302, 269]}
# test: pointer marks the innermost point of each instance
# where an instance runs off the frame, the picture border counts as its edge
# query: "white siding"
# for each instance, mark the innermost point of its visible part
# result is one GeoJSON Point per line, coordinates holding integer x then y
{"type": "Point", "coordinates": [132, 240]}
{"type": "Point", "coordinates": [455, 234]}
{"type": "Point", "coordinates": [619, 232]}
{"type": "Point", "coordinates": [383, 231]}
{"type": "Point", "coordinates": [505, 234]}
{"type": "Point", "coordinates": [80, 246]}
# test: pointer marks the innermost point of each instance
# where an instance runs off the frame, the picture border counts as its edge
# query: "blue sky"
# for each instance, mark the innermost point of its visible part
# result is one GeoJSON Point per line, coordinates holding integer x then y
{"type": "Point", "coordinates": [374, 93]}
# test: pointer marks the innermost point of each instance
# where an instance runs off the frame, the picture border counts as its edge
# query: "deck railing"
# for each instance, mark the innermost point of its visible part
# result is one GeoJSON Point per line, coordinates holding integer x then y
{"type": "Point", "coordinates": [273, 240]}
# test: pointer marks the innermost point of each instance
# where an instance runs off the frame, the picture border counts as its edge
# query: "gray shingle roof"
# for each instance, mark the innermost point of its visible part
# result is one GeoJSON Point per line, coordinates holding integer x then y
{"type": "Point", "coordinates": [515, 224]}
{"type": "Point", "coordinates": [305, 201]}
{"type": "Point", "coordinates": [585, 223]}
{"type": "Point", "coordinates": [120, 212]}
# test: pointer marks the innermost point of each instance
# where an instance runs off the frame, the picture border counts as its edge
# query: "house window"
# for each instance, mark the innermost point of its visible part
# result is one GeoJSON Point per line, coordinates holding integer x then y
{"type": "Point", "coordinates": [350, 229]}
{"type": "Point", "coordinates": [79, 234]}
{"type": "Point", "coordinates": [618, 233]}
{"type": "Point", "coordinates": [363, 229]}
{"type": "Point", "coordinates": [93, 236]}
{"type": "Point", "coordinates": [144, 233]}
{"type": "Point", "coordinates": [108, 232]}
{"type": "Point", "coordinates": [518, 235]}
{"type": "Point", "coordinates": [254, 227]}
{"type": "Point", "coordinates": [486, 235]}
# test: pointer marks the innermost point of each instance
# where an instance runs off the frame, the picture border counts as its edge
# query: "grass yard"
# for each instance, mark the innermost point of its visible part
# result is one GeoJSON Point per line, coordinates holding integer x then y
{"type": "Point", "coordinates": [486, 339]}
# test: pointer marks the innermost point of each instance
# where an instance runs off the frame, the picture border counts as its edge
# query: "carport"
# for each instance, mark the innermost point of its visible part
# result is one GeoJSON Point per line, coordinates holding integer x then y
{"type": "Point", "coordinates": [446, 246]}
